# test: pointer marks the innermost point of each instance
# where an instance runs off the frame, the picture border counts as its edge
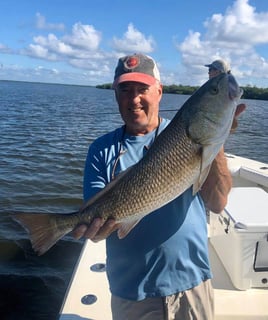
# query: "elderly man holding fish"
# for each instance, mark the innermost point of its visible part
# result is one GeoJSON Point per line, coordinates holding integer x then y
{"type": "Point", "coordinates": [160, 269]}
{"type": "Point", "coordinates": [147, 186]}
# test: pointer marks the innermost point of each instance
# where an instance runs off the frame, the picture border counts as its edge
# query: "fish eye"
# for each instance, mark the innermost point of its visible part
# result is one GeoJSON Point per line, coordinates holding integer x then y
{"type": "Point", "coordinates": [214, 90]}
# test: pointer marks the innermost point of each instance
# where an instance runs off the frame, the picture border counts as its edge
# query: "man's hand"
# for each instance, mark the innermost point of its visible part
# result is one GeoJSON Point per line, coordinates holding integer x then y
{"type": "Point", "coordinates": [98, 230]}
{"type": "Point", "coordinates": [239, 109]}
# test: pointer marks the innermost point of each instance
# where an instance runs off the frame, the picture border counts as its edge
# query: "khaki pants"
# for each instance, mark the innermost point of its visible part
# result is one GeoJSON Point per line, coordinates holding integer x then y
{"type": "Point", "coordinates": [194, 304]}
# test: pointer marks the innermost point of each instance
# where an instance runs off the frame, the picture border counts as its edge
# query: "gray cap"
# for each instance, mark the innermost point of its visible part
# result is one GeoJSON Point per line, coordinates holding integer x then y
{"type": "Point", "coordinates": [220, 65]}
{"type": "Point", "coordinates": [138, 68]}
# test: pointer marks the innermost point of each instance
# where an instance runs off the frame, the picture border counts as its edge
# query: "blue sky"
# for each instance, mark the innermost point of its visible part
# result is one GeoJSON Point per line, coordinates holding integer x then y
{"type": "Point", "coordinates": [79, 42]}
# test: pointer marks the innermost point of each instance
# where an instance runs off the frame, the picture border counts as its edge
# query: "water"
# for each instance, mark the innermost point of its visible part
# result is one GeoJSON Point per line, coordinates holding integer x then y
{"type": "Point", "coordinates": [45, 133]}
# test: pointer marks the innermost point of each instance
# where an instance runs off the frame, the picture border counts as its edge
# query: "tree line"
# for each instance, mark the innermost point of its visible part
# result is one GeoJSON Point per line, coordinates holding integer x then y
{"type": "Point", "coordinates": [250, 92]}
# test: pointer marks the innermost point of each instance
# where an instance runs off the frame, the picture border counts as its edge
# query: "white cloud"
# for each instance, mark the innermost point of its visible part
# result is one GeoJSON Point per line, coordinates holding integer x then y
{"type": "Point", "coordinates": [81, 48]}
{"type": "Point", "coordinates": [133, 41]}
{"type": "Point", "coordinates": [39, 51]}
{"type": "Point", "coordinates": [43, 25]}
{"type": "Point", "coordinates": [82, 43]}
{"type": "Point", "coordinates": [5, 49]}
{"type": "Point", "coordinates": [232, 36]}
{"type": "Point", "coordinates": [240, 23]}
{"type": "Point", "coordinates": [53, 44]}
{"type": "Point", "coordinates": [84, 36]}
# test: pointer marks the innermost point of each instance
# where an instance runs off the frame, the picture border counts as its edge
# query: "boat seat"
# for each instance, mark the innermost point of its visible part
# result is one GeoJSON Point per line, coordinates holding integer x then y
{"type": "Point", "coordinates": [247, 207]}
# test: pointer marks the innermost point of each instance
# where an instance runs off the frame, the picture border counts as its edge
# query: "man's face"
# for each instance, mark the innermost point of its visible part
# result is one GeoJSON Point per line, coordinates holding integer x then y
{"type": "Point", "coordinates": [213, 72]}
{"type": "Point", "coordinates": [139, 106]}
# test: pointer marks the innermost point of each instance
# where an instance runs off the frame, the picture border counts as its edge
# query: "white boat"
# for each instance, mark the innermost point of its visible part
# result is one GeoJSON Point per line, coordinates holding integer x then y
{"type": "Point", "coordinates": [238, 242]}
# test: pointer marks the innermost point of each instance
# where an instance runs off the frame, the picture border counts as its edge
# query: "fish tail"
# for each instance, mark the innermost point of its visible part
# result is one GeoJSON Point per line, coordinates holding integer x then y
{"type": "Point", "coordinates": [42, 228]}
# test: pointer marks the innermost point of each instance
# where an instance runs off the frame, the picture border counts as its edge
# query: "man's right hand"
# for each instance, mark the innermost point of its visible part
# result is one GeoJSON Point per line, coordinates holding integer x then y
{"type": "Point", "coordinates": [98, 230]}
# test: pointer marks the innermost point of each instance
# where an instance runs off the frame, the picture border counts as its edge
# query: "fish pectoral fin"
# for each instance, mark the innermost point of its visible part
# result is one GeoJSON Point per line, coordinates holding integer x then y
{"type": "Point", "coordinates": [209, 153]}
{"type": "Point", "coordinates": [201, 179]}
{"type": "Point", "coordinates": [126, 227]}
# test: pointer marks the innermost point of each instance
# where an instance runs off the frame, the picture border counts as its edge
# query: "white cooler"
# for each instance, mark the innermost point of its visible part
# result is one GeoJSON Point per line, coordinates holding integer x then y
{"type": "Point", "coordinates": [240, 237]}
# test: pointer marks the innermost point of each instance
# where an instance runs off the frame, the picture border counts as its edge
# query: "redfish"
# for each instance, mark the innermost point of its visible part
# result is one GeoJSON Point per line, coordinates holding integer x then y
{"type": "Point", "coordinates": [179, 158]}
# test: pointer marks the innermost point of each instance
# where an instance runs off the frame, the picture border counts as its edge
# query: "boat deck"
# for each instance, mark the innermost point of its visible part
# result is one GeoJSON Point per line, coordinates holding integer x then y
{"type": "Point", "coordinates": [90, 285]}
{"type": "Point", "coordinates": [230, 303]}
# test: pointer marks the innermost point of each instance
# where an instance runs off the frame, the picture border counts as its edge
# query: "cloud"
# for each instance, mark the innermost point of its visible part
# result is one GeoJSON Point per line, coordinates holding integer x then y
{"type": "Point", "coordinates": [43, 25]}
{"type": "Point", "coordinates": [84, 37]}
{"type": "Point", "coordinates": [82, 43]}
{"type": "Point", "coordinates": [81, 48]}
{"type": "Point", "coordinates": [133, 41]}
{"type": "Point", "coordinates": [240, 24]}
{"type": "Point", "coordinates": [232, 36]}
{"type": "Point", "coordinates": [5, 49]}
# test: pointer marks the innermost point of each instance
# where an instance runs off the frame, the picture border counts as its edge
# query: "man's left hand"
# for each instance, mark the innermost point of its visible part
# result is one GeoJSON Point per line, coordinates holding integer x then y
{"type": "Point", "coordinates": [239, 109]}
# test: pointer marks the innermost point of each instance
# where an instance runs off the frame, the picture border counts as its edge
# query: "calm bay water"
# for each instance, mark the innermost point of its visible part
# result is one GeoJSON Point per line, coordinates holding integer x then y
{"type": "Point", "coordinates": [45, 133]}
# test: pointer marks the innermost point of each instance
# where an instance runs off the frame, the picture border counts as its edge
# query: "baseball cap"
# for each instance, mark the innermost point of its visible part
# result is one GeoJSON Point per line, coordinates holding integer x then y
{"type": "Point", "coordinates": [220, 65]}
{"type": "Point", "coordinates": [138, 68]}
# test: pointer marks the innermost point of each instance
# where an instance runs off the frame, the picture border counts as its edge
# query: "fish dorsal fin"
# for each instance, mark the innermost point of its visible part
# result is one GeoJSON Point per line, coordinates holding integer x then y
{"type": "Point", "coordinates": [126, 227]}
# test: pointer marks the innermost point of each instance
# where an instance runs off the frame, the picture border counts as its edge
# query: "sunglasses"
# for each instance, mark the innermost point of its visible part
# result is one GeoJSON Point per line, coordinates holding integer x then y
{"type": "Point", "coordinates": [212, 69]}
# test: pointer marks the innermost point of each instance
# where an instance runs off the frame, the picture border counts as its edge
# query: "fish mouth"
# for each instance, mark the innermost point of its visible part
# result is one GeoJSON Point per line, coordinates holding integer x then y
{"type": "Point", "coordinates": [235, 92]}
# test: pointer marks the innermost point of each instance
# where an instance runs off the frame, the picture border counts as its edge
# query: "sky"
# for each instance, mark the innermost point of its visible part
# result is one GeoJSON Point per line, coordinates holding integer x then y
{"type": "Point", "coordinates": [80, 41]}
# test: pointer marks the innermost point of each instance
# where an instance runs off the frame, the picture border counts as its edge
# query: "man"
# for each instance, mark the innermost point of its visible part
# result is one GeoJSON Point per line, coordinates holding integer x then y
{"type": "Point", "coordinates": [217, 67]}
{"type": "Point", "coordinates": [160, 270]}
{"type": "Point", "coordinates": [214, 69]}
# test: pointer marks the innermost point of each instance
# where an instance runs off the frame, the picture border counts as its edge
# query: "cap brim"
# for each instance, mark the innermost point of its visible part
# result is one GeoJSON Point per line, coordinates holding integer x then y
{"type": "Point", "coordinates": [136, 77]}
{"type": "Point", "coordinates": [208, 65]}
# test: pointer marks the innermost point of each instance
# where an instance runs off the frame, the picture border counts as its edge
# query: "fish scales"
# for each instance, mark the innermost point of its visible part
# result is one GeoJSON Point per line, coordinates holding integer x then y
{"type": "Point", "coordinates": [144, 188]}
{"type": "Point", "coordinates": [179, 158]}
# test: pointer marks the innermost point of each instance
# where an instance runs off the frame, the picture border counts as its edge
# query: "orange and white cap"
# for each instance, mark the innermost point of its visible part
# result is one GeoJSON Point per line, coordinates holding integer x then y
{"type": "Point", "coordinates": [137, 68]}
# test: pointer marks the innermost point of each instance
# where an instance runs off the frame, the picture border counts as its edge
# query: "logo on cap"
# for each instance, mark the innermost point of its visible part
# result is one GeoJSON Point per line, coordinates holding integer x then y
{"type": "Point", "coordinates": [132, 62]}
